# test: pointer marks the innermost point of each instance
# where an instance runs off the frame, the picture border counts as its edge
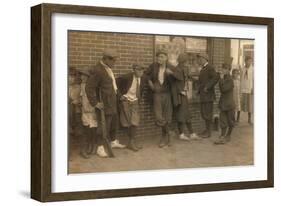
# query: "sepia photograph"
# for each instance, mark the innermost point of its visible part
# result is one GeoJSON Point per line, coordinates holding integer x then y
{"type": "Point", "coordinates": [152, 102]}
{"type": "Point", "coordinates": [131, 102]}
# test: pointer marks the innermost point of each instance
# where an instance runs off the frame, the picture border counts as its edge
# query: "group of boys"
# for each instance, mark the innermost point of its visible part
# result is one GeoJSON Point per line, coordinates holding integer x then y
{"type": "Point", "coordinates": [119, 99]}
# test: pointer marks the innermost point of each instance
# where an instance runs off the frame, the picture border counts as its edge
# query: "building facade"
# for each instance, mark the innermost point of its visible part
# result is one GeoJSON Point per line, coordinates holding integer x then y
{"type": "Point", "coordinates": [86, 48]}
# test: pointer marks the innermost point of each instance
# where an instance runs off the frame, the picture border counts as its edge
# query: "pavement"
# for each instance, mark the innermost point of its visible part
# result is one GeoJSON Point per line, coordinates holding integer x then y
{"type": "Point", "coordinates": [182, 154]}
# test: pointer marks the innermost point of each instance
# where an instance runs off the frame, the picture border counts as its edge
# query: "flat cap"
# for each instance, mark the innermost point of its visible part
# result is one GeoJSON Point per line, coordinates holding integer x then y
{"type": "Point", "coordinates": [110, 53]}
{"type": "Point", "coordinates": [84, 70]}
{"type": "Point", "coordinates": [162, 51]}
{"type": "Point", "coordinates": [138, 66]}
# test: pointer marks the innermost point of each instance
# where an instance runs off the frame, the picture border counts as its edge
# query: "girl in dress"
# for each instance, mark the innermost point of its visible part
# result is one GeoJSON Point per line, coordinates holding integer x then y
{"type": "Point", "coordinates": [89, 119]}
{"type": "Point", "coordinates": [236, 93]}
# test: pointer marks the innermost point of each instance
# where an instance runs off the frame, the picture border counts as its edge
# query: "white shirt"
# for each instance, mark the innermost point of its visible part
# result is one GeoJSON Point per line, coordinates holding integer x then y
{"type": "Point", "coordinates": [161, 74]}
{"type": "Point", "coordinates": [132, 92]}
{"type": "Point", "coordinates": [110, 73]}
{"type": "Point", "coordinates": [247, 81]}
{"type": "Point", "coordinates": [205, 64]}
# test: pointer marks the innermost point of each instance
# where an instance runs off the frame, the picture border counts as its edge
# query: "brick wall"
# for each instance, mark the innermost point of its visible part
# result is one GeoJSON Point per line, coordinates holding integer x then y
{"type": "Point", "coordinates": [85, 48]}
{"type": "Point", "coordinates": [219, 52]}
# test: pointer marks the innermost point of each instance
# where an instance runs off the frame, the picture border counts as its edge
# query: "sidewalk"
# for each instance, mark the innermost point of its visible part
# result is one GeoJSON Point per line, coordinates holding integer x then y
{"type": "Point", "coordinates": [182, 154]}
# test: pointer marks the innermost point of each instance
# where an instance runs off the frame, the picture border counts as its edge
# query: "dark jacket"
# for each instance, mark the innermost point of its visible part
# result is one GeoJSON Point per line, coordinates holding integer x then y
{"type": "Point", "coordinates": [124, 83]}
{"type": "Point", "coordinates": [100, 82]}
{"type": "Point", "coordinates": [152, 74]}
{"type": "Point", "coordinates": [180, 76]}
{"type": "Point", "coordinates": [226, 88]}
{"type": "Point", "coordinates": [208, 78]}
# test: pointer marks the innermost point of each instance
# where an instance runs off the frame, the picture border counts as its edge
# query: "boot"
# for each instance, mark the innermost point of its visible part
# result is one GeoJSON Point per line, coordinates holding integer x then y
{"type": "Point", "coordinates": [162, 142]}
{"type": "Point", "coordinates": [138, 145]}
{"type": "Point", "coordinates": [207, 132]}
{"type": "Point", "coordinates": [92, 147]}
{"type": "Point", "coordinates": [132, 133]}
{"type": "Point", "coordinates": [84, 154]}
{"type": "Point", "coordinates": [84, 145]}
{"type": "Point", "coordinates": [238, 116]}
{"type": "Point", "coordinates": [221, 138]}
{"type": "Point", "coordinates": [228, 135]}
{"type": "Point", "coordinates": [168, 139]}
{"type": "Point", "coordinates": [132, 145]}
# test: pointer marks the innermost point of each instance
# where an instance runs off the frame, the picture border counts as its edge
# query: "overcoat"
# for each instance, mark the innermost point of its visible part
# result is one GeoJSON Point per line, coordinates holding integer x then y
{"type": "Point", "coordinates": [208, 78]}
{"type": "Point", "coordinates": [100, 82]}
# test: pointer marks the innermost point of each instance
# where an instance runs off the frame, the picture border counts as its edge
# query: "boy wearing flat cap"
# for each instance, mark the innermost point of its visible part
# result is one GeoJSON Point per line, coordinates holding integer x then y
{"type": "Point", "coordinates": [160, 79]}
{"type": "Point", "coordinates": [130, 87]}
{"type": "Point", "coordinates": [226, 104]}
{"type": "Point", "coordinates": [208, 78]}
{"type": "Point", "coordinates": [101, 90]}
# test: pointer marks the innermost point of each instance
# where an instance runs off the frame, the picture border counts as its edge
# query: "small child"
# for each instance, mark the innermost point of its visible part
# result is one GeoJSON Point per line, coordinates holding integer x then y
{"type": "Point", "coordinates": [89, 119]}
{"type": "Point", "coordinates": [226, 104]}
{"type": "Point", "coordinates": [236, 93]}
{"type": "Point", "coordinates": [74, 102]}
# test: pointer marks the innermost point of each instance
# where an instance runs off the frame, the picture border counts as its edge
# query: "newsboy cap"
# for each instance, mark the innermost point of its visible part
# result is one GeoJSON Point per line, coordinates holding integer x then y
{"type": "Point", "coordinates": [203, 55]}
{"type": "Point", "coordinates": [162, 51]}
{"type": "Point", "coordinates": [84, 70]}
{"type": "Point", "coordinates": [110, 53]}
{"type": "Point", "coordinates": [138, 66]}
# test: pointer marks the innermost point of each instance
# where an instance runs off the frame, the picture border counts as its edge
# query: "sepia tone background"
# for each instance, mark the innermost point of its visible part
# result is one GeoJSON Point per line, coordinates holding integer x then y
{"type": "Point", "coordinates": [85, 48]}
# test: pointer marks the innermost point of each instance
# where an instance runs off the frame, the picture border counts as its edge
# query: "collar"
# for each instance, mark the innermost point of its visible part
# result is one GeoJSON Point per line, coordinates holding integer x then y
{"type": "Point", "coordinates": [103, 64]}
{"type": "Point", "coordinates": [205, 64]}
{"type": "Point", "coordinates": [137, 78]}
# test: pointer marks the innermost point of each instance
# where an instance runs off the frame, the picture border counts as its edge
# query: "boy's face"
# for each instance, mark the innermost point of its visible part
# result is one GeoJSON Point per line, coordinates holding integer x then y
{"type": "Point", "coordinates": [201, 61]}
{"type": "Point", "coordinates": [74, 78]}
{"type": "Point", "coordinates": [138, 72]}
{"type": "Point", "coordinates": [71, 79]}
{"type": "Point", "coordinates": [84, 78]}
{"type": "Point", "coordinates": [235, 74]}
{"type": "Point", "coordinates": [225, 71]}
{"type": "Point", "coordinates": [248, 62]}
{"type": "Point", "coordinates": [162, 59]}
{"type": "Point", "coordinates": [110, 61]}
